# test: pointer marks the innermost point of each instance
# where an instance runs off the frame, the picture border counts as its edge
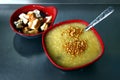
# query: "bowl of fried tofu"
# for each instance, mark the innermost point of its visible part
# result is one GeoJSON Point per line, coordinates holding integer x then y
{"type": "Point", "coordinates": [32, 20]}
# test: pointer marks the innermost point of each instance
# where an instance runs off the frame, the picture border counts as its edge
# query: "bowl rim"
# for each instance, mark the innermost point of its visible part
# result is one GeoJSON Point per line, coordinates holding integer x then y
{"type": "Point", "coordinates": [32, 5]}
{"type": "Point", "coordinates": [72, 21]}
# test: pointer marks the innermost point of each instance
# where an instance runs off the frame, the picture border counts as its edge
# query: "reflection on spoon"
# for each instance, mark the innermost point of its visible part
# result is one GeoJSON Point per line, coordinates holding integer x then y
{"type": "Point", "coordinates": [102, 16]}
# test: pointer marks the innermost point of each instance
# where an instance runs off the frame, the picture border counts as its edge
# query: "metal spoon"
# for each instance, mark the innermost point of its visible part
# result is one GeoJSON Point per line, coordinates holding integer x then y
{"type": "Point", "coordinates": [102, 16]}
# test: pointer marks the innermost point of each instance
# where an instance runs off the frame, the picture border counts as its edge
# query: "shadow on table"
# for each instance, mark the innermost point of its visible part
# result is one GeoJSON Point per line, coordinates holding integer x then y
{"type": "Point", "coordinates": [83, 73]}
{"type": "Point", "coordinates": [88, 69]}
{"type": "Point", "coordinates": [28, 47]}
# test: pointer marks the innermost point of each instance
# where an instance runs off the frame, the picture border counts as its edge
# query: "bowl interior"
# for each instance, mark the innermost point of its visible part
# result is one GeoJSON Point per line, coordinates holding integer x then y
{"type": "Point", "coordinates": [66, 22]}
{"type": "Point", "coordinates": [48, 10]}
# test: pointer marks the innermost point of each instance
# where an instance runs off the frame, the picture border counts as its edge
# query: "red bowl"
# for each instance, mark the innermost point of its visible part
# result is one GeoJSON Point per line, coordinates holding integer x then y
{"type": "Point", "coordinates": [78, 67]}
{"type": "Point", "coordinates": [48, 10]}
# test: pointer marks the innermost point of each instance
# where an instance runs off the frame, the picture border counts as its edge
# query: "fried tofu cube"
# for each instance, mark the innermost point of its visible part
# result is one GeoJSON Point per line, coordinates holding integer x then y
{"type": "Point", "coordinates": [19, 23]}
{"type": "Point", "coordinates": [35, 24]}
{"type": "Point", "coordinates": [48, 19]}
{"type": "Point", "coordinates": [24, 18]}
{"type": "Point", "coordinates": [37, 13]}
{"type": "Point", "coordinates": [44, 27]}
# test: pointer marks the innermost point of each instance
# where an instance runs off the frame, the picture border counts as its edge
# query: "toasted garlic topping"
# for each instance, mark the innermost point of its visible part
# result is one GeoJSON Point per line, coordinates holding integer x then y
{"type": "Point", "coordinates": [75, 46]}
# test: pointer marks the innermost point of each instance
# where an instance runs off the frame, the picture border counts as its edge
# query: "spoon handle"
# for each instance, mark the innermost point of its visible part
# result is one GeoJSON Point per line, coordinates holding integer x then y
{"type": "Point", "coordinates": [102, 16]}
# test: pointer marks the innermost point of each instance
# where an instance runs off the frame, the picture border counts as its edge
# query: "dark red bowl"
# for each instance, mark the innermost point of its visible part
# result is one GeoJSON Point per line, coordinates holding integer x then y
{"type": "Point", "coordinates": [66, 22]}
{"type": "Point", "coordinates": [48, 10]}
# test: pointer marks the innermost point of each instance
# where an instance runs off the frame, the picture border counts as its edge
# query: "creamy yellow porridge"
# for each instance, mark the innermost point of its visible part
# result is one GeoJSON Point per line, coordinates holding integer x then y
{"type": "Point", "coordinates": [69, 46]}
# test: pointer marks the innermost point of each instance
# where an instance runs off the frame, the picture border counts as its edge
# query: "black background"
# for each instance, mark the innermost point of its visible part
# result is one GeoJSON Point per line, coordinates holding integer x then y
{"type": "Point", "coordinates": [24, 59]}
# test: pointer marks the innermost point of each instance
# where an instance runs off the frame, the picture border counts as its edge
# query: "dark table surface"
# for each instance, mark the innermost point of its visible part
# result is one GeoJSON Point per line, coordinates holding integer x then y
{"type": "Point", "coordinates": [24, 59]}
{"type": "Point", "coordinates": [61, 1]}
